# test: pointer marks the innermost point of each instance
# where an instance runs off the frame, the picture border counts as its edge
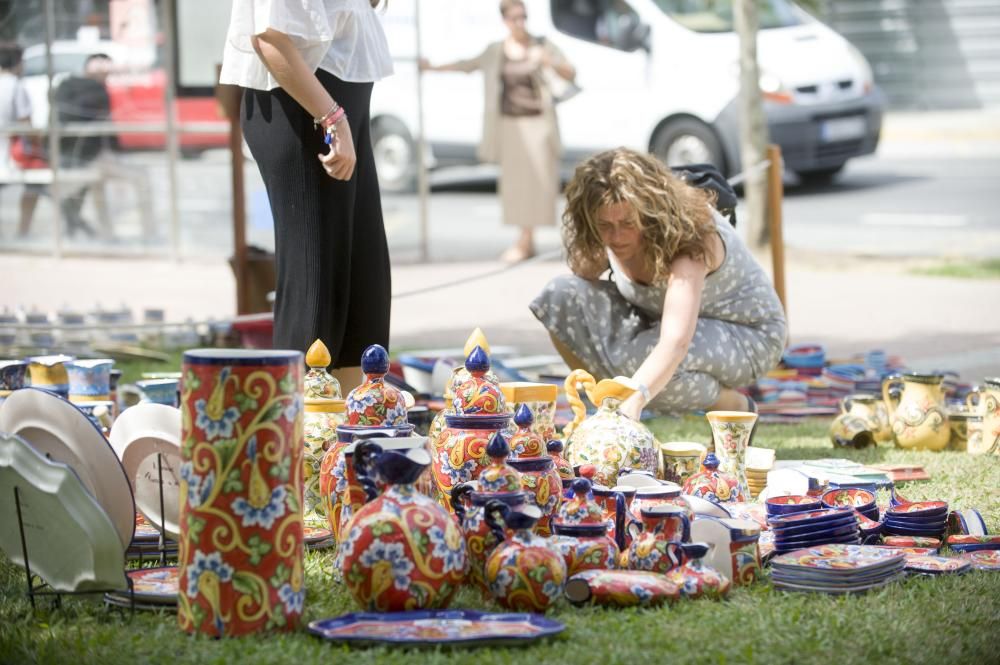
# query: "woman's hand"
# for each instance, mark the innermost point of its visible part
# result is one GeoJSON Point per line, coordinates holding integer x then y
{"type": "Point", "coordinates": [340, 160]}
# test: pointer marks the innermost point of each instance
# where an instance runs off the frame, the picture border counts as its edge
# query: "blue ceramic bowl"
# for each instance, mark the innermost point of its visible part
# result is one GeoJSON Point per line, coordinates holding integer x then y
{"type": "Point", "coordinates": [914, 523]}
{"type": "Point", "coordinates": [797, 545]}
{"type": "Point", "coordinates": [786, 505]}
{"type": "Point", "coordinates": [890, 530]}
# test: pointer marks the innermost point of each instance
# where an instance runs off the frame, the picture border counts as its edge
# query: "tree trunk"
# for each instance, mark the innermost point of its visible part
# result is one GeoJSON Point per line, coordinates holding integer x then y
{"type": "Point", "coordinates": [753, 127]}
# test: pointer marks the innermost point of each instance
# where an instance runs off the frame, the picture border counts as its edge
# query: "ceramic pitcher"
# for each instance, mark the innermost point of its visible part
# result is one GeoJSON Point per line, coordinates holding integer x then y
{"type": "Point", "coordinates": [49, 373]}
{"type": "Point", "coordinates": [609, 440]}
{"type": "Point", "coordinates": [985, 403]}
{"type": "Point", "coordinates": [524, 573]}
{"type": "Point", "coordinates": [695, 578]}
{"type": "Point", "coordinates": [402, 550]}
{"type": "Point", "coordinates": [656, 540]}
{"type": "Point", "coordinates": [863, 421]}
{"type": "Point", "coordinates": [731, 435]}
{"type": "Point", "coordinates": [918, 416]}
{"type": "Point", "coordinates": [240, 552]}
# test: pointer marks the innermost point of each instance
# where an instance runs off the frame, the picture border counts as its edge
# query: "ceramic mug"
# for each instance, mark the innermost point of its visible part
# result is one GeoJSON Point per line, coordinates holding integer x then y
{"type": "Point", "coordinates": [89, 380]}
{"type": "Point", "coordinates": [240, 556]}
{"type": "Point", "coordinates": [49, 373]}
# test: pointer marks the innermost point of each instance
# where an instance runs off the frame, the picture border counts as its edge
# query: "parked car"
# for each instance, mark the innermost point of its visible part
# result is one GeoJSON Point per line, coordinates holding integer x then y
{"type": "Point", "coordinates": [666, 81]}
{"type": "Point", "coordinates": [136, 88]}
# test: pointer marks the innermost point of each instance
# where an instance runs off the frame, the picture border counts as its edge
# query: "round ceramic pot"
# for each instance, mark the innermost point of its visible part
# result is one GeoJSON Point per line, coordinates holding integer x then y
{"type": "Point", "coordinates": [681, 460]}
{"type": "Point", "coordinates": [918, 415]}
{"type": "Point", "coordinates": [541, 480]}
{"type": "Point", "coordinates": [402, 551]}
{"type": "Point", "coordinates": [460, 451]}
{"type": "Point", "coordinates": [850, 431]}
{"type": "Point", "coordinates": [696, 579]}
{"type": "Point", "coordinates": [656, 540]}
{"type": "Point", "coordinates": [89, 380]}
{"type": "Point", "coordinates": [240, 552]}
{"type": "Point", "coordinates": [524, 573]}
{"type": "Point", "coordinates": [321, 419]}
{"type": "Point", "coordinates": [872, 410]}
{"type": "Point", "coordinates": [480, 540]}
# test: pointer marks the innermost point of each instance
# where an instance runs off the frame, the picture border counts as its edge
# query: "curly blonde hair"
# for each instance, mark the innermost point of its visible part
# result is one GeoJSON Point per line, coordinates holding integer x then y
{"type": "Point", "coordinates": [675, 218]}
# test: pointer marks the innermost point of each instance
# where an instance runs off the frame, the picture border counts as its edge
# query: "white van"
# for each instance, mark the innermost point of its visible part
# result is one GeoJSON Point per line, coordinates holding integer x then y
{"type": "Point", "coordinates": [664, 79]}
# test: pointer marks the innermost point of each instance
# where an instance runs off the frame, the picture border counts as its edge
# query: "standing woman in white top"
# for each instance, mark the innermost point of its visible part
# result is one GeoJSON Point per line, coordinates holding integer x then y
{"type": "Point", "coordinates": [308, 67]}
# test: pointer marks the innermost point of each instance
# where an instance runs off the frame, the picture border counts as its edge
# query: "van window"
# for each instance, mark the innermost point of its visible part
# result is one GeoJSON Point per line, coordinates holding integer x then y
{"type": "Point", "coordinates": [606, 22]}
{"type": "Point", "coordinates": [61, 62]}
{"type": "Point", "coordinates": [717, 15]}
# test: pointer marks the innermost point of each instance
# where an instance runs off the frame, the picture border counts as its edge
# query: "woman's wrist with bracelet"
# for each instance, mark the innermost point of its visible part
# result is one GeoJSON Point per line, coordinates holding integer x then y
{"type": "Point", "coordinates": [329, 122]}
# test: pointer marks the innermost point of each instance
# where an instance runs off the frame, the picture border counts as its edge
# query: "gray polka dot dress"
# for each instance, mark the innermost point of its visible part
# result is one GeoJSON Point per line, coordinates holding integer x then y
{"type": "Point", "coordinates": [612, 326]}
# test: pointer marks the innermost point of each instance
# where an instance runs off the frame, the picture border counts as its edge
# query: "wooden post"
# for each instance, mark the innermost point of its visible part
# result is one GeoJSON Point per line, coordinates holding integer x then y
{"type": "Point", "coordinates": [229, 100]}
{"type": "Point", "coordinates": [775, 199]}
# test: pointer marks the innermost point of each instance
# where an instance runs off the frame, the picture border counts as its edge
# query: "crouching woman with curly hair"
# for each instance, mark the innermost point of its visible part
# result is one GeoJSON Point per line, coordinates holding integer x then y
{"type": "Point", "coordinates": [686, 310]}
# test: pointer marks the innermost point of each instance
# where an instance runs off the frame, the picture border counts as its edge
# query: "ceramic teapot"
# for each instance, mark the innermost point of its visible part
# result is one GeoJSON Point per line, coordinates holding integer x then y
{"type": "Point", "coordinates": [402, 550]}
{"type": "Point", "coordinates": [918, 416]}
{"type": "Point", "coordinates": [524, 573]}
{"type": "Point", "coordinates": [656, 540]}
{"type": "Point", "coordinates": [582, 533]}
{"type": "Point", "coordinates": [695, 578]}
{"type": "Point", "coordinates": [609, 440]}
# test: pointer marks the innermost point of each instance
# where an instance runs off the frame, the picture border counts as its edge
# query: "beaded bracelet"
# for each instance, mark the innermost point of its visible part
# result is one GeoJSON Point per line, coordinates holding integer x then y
{"type": "Point", "coordinates": [318, 122]}
{"type": "Point", "coordinates": [330, 125]}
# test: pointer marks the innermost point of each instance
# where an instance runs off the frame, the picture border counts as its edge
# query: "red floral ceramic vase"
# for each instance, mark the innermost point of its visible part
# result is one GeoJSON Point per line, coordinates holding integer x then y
{"type": "Point", "coordinates": [240, 552]}
{"type": "Point", "coordinates": [375, 403]}
{"type": "Point", "coordinates": [402, 551]}
{"type": "Point", "coordinates": [460, 452]}
{"type": "Point", "coordinates": [712, 484]}
{"type": "Point", "coordinates": [656, 541]}
{"type": "Point", "coordinates": [524, 573]}
{"type": "Point", "coordinates": [695, 579]}
{"type": "Point", "coordinates": [582, 533]}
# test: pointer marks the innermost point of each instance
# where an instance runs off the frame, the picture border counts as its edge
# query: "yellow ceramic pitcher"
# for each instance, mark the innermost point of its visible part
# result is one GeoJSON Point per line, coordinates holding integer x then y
{"type": "Point", "coordinates": [918, 416]}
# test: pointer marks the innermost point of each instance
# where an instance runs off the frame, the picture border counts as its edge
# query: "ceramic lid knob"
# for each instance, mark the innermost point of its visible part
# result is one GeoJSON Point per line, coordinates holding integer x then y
{"type": "Point", "coordinates": [498, 448]}
{"type": "Point", "coordinates": [478, 361]}
{"type": "Point", "coordinates": [318, 383]}
{"type": "Point", "coordinates": [318, 356]}
{"type": "Point", "coordinates": [711, 461]}
{"type": "Point", "coordinates": [581, 487]}
{"type": "Point", "coordinates": [523, 416]}
{"type": "Point", "coordinates": [554, 446]}
{"type": "Point", "coordinates": [499, 477]}
{"type": "Point", "coordinates": [375, 360]}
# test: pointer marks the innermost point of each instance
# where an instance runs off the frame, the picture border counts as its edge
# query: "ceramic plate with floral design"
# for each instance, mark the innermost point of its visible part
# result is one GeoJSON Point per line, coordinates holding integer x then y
{"type": "Point", "coordinates": [910, 551]}
{"type": "Point", "coordinates": [431, 628]}
{"type": "Point", "coordinates": [988, 560]}
{"type": "Point", "coordinates": [838, 558]}
{"type": "Point", "coordinates": [936, 564]}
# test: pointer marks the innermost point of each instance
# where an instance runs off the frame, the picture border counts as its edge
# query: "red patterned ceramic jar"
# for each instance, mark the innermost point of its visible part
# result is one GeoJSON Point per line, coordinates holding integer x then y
{"type": "Point", "coordinates": [659, 495]}
{"type": "Point", "coordinates": [478, 394]}
{"type": "Point", "coordinates": [460, 452]}
{"type": "Point", "coordinates": [582, 533]}
{"type": "Point", "coordinates": [539, 476]}
{"type": "Point", "coordinates": [696, 579]}
{"type": "Point", "coordinates": [525, 442]}
{"type": "Point", "coordinates": [240, 547]}
{"type": "Point", "coordinates": [563, 467]}
{"type": "Point", "coordinates": [375, 403]}
{"type": "Point", "coordinates": [402, 551]}
{"type": "Point", "coordinates": [712, 484]}
{"type": "Point", "coordinates": [524, 573]}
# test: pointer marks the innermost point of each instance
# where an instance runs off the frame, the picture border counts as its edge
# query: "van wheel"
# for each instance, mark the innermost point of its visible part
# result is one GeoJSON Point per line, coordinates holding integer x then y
{"type": "Point", "coordinates": [688, 141]}
{"type": "Point", "coordinates": [395, 155]}
{"type": "Point", "coordinates": [819, 176]}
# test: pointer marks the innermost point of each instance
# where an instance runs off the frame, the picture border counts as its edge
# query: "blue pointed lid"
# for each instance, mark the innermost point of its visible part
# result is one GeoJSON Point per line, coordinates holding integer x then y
{"type": "Point", "coordinates": [581, 487]}
{"type": "Point", "coordinates": [375, 360]}
{"type": "Point", "coordinates": [498, 446]}
{"type": "Point", "coordinates": [478, 361]}
{"type": "Point", "coordinates": [711, 461]}
{"type": "Point", "coordinates": [523, 417]}
{"type": "Point", "coordinates": [554, 446]}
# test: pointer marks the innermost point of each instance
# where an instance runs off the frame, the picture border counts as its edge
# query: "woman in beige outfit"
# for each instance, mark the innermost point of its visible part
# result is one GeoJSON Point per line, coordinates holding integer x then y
{"type": "Point", "coordinates": [520, 129]}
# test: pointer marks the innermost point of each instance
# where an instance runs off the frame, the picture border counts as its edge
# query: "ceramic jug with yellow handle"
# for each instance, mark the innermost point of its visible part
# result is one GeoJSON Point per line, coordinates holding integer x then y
{"type": "Point", "coordinates": [918, 416]}
{"type": "Point", "coordinates": [609, 440]}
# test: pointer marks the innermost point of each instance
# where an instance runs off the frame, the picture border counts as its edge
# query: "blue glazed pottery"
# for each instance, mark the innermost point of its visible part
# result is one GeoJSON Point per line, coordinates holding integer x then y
{"type": "Point", "coordinates": [89, 380]}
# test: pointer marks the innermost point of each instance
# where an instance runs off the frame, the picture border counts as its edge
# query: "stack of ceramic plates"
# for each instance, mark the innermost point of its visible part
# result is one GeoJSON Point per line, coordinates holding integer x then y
{"type": "Point", "coordinates": [918, 518]}
{"type": "Point", "coordinates": [837, 569]}
{"type": "Point", "coordinates": [154, 589]}
{"type": "Point", "coordinates": [756, 480]}
{"type": "Point", "coordinates": [814, 527]}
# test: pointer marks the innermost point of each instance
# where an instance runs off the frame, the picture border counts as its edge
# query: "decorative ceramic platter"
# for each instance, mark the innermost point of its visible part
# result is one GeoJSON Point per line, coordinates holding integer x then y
{"type": "Point", "coordinates": [910, 551]}
{"type": "Point", "coordinates": [812, 587]}
{"type": "Point", "coordinates": [60, 431]}
{"type": "Point", "coordinates": [155, 585]}
{"type": "Point", "coordinates": [432, 628]}
{"type": "Point", "coordinates": [986, 560]}
{"type": "Point", "coordinates": [138, 435]}
{"type": "Point", "coordinates": [936, 564]}
{"type": "Point", "coordinates": [912, 541]}
{"type": "Point", "coordinates": [838, 558]}
{"type": "Point", "coordinates": [71, 541]}
{"type": "Point", "coordinates": [851, 498]}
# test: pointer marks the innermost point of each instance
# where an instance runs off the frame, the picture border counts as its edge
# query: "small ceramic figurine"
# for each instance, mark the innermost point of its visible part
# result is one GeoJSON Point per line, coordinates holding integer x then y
{"type": "Point", "coordinates": [375, 403]}
{"type": "Point", "coordinates": [402, 551]}
{"type": "Point", "coordinates": [524, 573]}
{"type": "Point", "coordinates": [582, 533]}
{"type": "Point", "coordinates": [711, 483]}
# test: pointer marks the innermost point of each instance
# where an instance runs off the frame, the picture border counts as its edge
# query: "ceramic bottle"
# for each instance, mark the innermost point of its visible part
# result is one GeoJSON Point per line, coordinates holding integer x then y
{"type": "Point", "coordinates": [324, 412]}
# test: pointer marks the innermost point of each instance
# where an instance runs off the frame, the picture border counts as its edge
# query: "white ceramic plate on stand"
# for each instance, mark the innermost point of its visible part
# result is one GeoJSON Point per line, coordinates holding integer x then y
{"type": "Point", "coordinates": [59, 431]}
{"type": "Point", "coordinates": [138, 434]}
{"type": "Point", "coordinates": [71, 541]}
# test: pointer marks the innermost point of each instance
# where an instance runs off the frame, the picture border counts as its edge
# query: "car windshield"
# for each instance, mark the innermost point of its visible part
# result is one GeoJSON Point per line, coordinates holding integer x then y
{"type": "Point", "coordinates": [61, 62]}
{"type": "Point", "coordinates": [717, 15]}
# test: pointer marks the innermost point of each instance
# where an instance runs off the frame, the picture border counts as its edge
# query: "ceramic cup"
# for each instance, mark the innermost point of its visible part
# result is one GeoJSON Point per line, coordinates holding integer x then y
{"type": "Point", "coordinates": [49, 373]}
{"type": "Point", "coordinates": [89, 380]}
{"type": "Point", "coordinates": [240, 558]}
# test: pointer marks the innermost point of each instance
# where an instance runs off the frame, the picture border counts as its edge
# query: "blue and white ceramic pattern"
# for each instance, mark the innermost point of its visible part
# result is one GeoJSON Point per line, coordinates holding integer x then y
{"type": "Point", "coordinates": [89, 380]}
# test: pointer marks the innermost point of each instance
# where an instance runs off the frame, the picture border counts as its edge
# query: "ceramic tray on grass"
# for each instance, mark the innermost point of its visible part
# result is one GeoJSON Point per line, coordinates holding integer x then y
{"type": "Point", "coordinates": [434, 628]}
{"type": "Point", "coordinates": [71, 541]}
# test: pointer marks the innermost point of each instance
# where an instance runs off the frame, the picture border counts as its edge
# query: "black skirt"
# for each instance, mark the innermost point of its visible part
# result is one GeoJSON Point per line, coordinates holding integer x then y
{"type": "Point", "coordinates": [331, 255]}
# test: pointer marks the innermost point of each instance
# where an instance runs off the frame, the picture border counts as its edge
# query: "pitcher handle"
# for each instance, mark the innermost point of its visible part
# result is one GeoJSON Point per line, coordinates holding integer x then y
{"type": "Point", "coordinates": [364, 455]}
{"type": "Point", "coordinates": [686, 529]}
{"type": "Point", "coordinates": [458, 494]}
{"type": "Point", "coordinates": [494, 513]}
{"type": "Point", "coordinates": [575, 403]}
{"type": "Point", "coordinates": [891, 401]}
{"type": "Point", "coordinates": [620, 512]}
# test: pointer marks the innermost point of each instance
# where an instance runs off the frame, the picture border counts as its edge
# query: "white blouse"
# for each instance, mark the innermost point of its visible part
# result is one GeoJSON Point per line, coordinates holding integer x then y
{"type": "Point", "coordinates": [342, 37]}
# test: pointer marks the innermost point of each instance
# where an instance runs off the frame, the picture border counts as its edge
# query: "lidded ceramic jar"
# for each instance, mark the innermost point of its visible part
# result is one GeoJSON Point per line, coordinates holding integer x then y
{"type": "Point", "coordinates": [695, 578]}
{"type": "Point", "coordinates": [459, 451]}
{"type": "Point", "coordinates": [539, 476]}
{"type": "Point", "coordinates": [563, 467]}
{"type": "Point", "coordinates": [402, 550]}
{"type": "Point", "coordinates": [524, 572]}
{"type": "Point", "coordinates": [659, 495]}
{"type": "Point", "coordinates": [324, 413]}
{"type": "Point", "coordinates": [712, 484]}
{"type": "Point", "coordinates": [498, 482]}
{"type": "Point", "coordinates": [540, 398]}
{"type": "Point", "coordinates": [375, 403]}
{"type": "Point", "coordinates": [582, 533]}
{"type": "Point", "coordinates": [609, 440]}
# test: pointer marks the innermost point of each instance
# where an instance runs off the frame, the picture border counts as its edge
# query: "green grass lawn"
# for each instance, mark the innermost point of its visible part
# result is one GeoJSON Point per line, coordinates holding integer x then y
{"type": "Point", "coordinates": [921, 620]}
{"type": "Point", "coordinates": [967, 268]}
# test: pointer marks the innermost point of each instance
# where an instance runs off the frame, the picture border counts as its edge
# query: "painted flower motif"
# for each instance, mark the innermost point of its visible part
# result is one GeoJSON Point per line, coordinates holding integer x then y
{"type": "Point", "coordinates": [293, 601]}
{"type": "Point", "coordinates": [294, 407]}
{"type": "Point", "coordinates": [551, 590]}
{"type": "Point", "coordinates": [215, 428]}
{"type": "Point", "coordinates": [690, 586]}
{"type": "Point", "coordinates": [339, 474]}
{"type": "Point", "coordinates": [395, 555]}
{"type": "Point", "coordinates": [199, 487]}
{"type": "Point", "coordinates": [360, 399]}
{"type": "Point", "coordinates": [449, 547]}
{"type": "Point", "coordinates": [503, 580]}
{"type": "Point", "coordinates": [405, 495]}
{"type": "Point", "coordinates": [456, 474]}
{"type": "Point", "coordinates": [642, 593]}
{"type": "Point", "coordinates": [397, 414]}
{"type": "Point", "coordinates": [646, 558]}
{"type": "Point", "coordinates": [206, 563]}
{"type": "Point", "coordinates": [265, 515]}
{"type": "Point", "coordinates": [347, 544]}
